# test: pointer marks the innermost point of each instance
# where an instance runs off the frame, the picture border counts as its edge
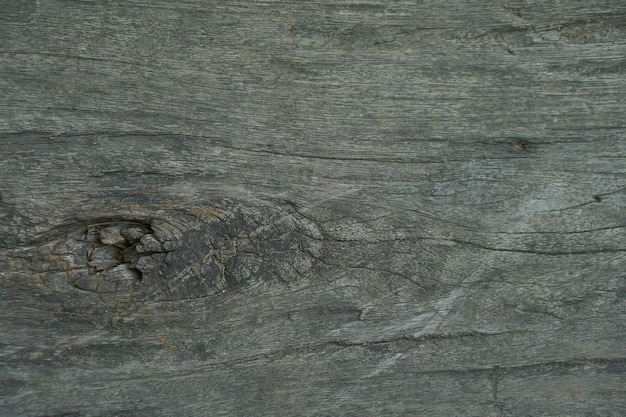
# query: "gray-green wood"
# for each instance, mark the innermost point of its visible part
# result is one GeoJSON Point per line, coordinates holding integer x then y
{"type": "Point", "coordinates": [265, 208]}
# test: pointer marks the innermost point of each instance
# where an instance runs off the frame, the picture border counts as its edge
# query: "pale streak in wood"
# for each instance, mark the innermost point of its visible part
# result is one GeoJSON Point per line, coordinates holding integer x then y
{"type": "Point", "coordinates": [462, 161]}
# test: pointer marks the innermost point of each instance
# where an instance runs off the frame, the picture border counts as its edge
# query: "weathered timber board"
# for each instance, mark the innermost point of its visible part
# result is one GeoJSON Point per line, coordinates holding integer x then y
{"type": "Point", "coordinates": [331, 208]}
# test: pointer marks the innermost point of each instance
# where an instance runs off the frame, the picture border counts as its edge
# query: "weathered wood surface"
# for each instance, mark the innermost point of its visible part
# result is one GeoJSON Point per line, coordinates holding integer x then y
{"type": "Point", "coordinates": [329, 208]}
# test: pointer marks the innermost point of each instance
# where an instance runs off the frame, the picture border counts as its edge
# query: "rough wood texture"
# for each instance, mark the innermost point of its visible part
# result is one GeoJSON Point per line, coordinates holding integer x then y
{"type": "Point", "coordinates": [332, 208]}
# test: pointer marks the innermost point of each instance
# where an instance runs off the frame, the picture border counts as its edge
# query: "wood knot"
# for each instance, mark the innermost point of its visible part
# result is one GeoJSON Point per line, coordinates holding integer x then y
{"type": "Point", "coordinates": [115, 255]}
{"type": "Point", "coordinates": [521, 145]}
{"type": "Point", "coordinates": [186, 253]}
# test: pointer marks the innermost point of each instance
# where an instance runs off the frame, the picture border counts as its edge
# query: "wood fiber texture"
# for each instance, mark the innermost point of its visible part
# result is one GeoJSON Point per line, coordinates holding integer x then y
{"type": "Point", "coordinates": [332, 208]}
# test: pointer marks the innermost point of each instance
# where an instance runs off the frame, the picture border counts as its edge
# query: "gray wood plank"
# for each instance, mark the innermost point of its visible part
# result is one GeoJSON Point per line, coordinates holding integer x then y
{"type": "Point", "coordinates": [332, 208]}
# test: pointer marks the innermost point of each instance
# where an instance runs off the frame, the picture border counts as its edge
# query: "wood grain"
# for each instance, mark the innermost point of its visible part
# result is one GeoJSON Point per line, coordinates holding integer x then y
{"type": "Point", "coordinates": [330, 208]}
